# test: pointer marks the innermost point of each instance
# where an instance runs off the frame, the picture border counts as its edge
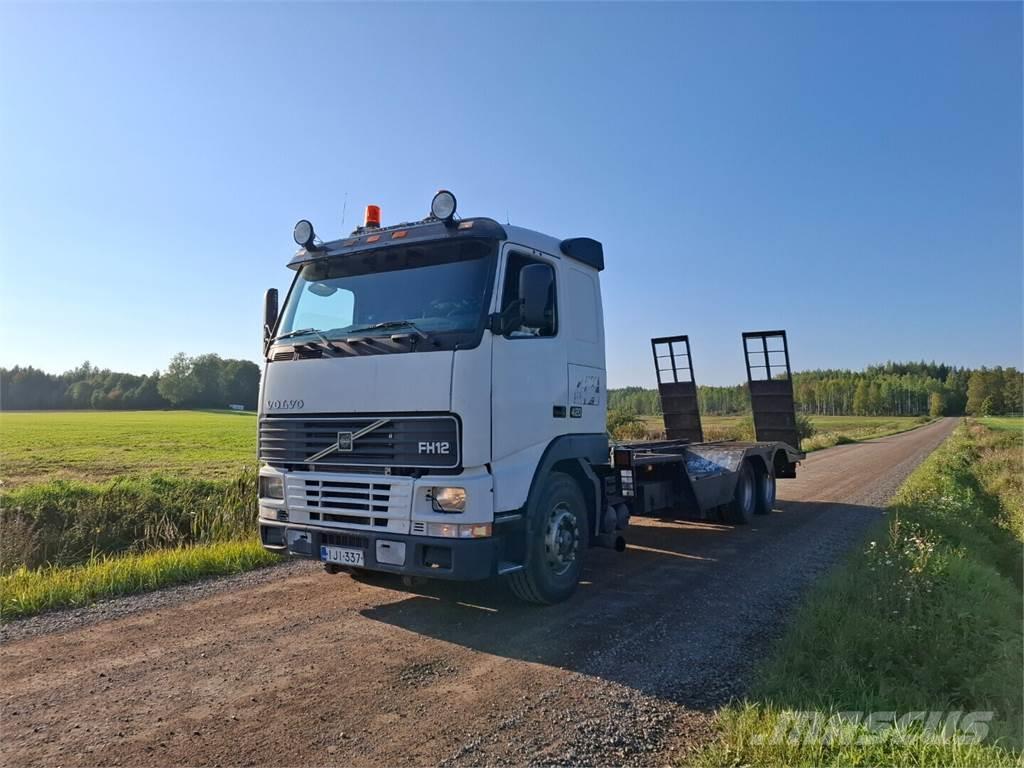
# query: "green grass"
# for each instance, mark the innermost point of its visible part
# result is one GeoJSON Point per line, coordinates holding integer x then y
{"type": "Point", "coordinates": [1004, 422]}
{"type": "Point", "coordinates": [830, 430]}
{"type": "Point", "coordinates": [97, 504]}
{"type": "Point", "coordinates": [864, 423]}
{"type": "Point", "coordinates": [66, 522]}
{"type": "Point", "coordinates": [925, 617]}
{"type": "Point", "coordinates": [41, 446]}
{"type": "Point", "coordinates": [25, 592]}
{"type": "Point", "coordinates": [91, 446]}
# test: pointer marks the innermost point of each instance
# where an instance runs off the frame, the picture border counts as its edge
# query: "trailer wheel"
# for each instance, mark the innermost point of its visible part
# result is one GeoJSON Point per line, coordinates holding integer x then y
{"type": "Point", "coordinates": [741, 509]}
{"type": "Point", "coordinates": [765, 491]}
{"type": "Point", "coordinates": [558, 536]}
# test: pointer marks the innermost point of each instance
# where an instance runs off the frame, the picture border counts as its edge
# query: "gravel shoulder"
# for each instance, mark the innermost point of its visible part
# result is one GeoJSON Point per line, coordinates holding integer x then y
{"type": "Point", "coordinates": [289, 666]}
{"type": "Point", "coordinates": [117, 607]}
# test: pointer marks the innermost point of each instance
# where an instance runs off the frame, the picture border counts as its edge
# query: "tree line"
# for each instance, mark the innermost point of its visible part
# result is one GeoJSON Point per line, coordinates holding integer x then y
{"type": "Point", "coordinates": [205, 381]}
{"type": "Point", "coordinates": [893, 389]}
{"type": "Point", "coordinates": [209, 381]}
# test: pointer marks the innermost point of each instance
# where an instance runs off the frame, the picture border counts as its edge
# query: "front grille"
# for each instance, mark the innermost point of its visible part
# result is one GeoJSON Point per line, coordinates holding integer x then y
{"type": "Point", "coordinates": [382, 504]}
{"type": "Point", "coordinates": [332, 494]}
{"type": "Point", "coordinates": [329, 442]}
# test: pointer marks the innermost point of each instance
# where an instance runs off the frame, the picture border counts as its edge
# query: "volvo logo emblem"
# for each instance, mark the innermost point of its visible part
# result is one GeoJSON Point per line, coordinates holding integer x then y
{"type": "Point", "coordinates": [346, 440]}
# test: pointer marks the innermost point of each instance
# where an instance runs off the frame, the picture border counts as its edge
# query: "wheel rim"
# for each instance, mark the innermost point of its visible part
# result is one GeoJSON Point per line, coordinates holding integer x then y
{"type": "Point", "coordinates": [561, 539]}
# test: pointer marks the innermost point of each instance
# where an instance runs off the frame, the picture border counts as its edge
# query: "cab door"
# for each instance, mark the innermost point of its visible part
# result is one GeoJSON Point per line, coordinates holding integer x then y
{"type": "Point", "coordinates": [529, 392]}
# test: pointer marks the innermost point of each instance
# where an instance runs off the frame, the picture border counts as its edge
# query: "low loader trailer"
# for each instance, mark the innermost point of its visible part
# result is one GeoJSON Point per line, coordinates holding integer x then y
{"type": "Point", "coordinates": [434, 405]}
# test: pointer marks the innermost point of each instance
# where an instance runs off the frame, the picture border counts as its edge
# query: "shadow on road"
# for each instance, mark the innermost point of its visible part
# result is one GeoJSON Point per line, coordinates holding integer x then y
{"type": "Point", "coordinates": [683, 590]}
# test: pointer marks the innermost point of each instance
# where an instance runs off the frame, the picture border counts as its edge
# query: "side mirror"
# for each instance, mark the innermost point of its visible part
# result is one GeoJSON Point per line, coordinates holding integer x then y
{"type": "Point", "coordinates": [535, 284]}
{"type": "Point", "coordinates": [269, 315]}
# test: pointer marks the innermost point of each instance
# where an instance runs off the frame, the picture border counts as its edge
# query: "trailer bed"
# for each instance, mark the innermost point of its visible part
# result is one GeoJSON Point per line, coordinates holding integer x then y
{"type": "Point", "coordinates": [683, 474]}
{"type": "Point", "coordinates": [683, 479]}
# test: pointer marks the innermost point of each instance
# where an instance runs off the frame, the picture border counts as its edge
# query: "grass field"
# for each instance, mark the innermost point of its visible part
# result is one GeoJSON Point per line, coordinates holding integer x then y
{"type": "Point", "coordinates": [25, 592]}
{"type": "Point", "coordinates": [40, 446]}
{"type": "Point", "coordinates": [823, 423]}
{"type": "Point", "coordinates": [925, 618]}
{"type": "Point", "coordinates": [81, 490]}
{"type": "Point", "coordinates": [96, 504]}
{"type": "Point", "coordinates": [831, 430]}
{"type": "Point", "coordinates": [1004, 422]}
{"type": "Point", "coordinates": [91, 446]}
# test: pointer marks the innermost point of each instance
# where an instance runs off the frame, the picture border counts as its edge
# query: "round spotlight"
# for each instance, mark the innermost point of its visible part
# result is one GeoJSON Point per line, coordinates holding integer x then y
{"type": "Point", "coordinates": [443, 205]}
{"type": "Point", "coordinates": [303, 233]}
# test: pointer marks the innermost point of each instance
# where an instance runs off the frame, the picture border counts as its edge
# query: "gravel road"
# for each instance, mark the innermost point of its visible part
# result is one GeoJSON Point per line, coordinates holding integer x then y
{"type": "Point", "coordinates": [292, 667]}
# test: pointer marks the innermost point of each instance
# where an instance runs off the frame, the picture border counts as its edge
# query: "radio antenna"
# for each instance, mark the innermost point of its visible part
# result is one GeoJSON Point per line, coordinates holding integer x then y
{"type": "Point", "coordinates": [344, 207]}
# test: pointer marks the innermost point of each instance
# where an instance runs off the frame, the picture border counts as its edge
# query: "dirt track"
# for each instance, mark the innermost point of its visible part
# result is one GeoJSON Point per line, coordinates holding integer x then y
{"type": "Point", "coordinates": [316, 669]}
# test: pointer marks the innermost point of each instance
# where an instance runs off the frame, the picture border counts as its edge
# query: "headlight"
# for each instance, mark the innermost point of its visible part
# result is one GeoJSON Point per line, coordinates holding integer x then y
{"type": "Point", "coordinates": [271, 487]}
{"type": "Point", "coordinates": [303, 233]}
{"type": "Point", "coordinates": [452, 531]}
{"type": "Point", "coordinates": [448, 499]}
{"type": "Point", "coordinates": [443, 205]}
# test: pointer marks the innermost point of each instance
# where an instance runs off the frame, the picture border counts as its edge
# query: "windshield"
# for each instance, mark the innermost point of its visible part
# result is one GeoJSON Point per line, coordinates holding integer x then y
{"type": "Point", "coordinates": [432, 289]}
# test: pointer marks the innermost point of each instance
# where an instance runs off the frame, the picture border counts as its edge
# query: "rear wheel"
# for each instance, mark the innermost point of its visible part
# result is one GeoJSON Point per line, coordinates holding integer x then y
{"type": "Point", "coordinates": [765, 491]}
{"type": "Point", "coordinates": [558, 535]}
{"type": "Point", "coordinates": [740, 510]}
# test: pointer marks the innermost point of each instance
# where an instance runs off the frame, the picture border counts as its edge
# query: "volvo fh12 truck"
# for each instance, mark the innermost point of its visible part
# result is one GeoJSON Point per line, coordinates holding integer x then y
{"type": "Point", "coordinates": [434, 399]}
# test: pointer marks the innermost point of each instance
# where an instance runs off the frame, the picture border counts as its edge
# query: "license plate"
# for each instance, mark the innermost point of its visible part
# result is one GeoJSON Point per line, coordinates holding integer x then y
{"type": "Point", "coordinates": [341, 556]}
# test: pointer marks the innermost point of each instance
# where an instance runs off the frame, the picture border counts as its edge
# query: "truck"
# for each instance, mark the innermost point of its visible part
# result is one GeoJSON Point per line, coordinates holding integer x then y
{"type": "Point", "coordinates": [434, 405]}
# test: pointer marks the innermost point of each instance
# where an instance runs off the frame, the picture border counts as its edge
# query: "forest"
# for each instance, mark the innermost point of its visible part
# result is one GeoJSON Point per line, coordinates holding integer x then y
{"type": "Point", "coordinates": [892, 389]}
{"type": "Point", "coordinates": [205, 381]}
{"type": "Point", "coordinates": [209, 381]}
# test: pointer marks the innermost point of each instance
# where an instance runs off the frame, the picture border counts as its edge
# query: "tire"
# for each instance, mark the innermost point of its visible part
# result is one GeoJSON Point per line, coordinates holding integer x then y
{"type": "Point", "coordinates": [765, 491]}
{"type": "Point", "coordinates": [740, 510]}
{"type": "Point", "coordinates": [558, 536]}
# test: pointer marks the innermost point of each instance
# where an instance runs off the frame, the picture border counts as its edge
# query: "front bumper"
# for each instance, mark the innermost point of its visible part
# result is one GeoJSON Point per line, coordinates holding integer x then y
{"type": "Point", "coordinates": [432, 557]}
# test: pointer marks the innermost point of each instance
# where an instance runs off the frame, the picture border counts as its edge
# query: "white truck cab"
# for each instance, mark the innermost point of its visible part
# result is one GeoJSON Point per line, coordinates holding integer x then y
{"type": "Point", "coordinates": [421, 382]}
{"type": "Point", "coordinates": [433, 404]}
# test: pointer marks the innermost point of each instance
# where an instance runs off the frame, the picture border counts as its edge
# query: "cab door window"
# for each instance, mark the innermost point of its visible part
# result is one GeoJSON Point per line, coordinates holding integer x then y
{"type": "Point", "coordinates": [510, 300]}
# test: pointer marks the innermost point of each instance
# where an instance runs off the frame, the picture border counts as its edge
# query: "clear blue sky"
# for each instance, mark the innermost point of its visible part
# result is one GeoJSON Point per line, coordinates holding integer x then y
{"type": "Point", "coordinates": [852, 173]}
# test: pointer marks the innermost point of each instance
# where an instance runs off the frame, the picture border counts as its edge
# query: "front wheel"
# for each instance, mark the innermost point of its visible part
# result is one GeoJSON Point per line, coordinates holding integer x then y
{"type": "Point", "coordinates": [558, 536]}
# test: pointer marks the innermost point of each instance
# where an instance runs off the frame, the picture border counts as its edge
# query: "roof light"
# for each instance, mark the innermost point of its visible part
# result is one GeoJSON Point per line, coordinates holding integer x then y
{"type": "Point", "coordinates": [372, 217]}
{"type": "Point", "coordinates": [443, 205]}
{"type": "Point", "coordinates": [303, 233]}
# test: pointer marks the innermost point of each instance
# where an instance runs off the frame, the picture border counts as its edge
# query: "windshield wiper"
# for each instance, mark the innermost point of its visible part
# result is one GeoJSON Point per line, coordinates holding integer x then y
{"type": "Point", "coordinates": [301, 332]}
{"type": "Point", "coordinates": [388, 324]}
{"type": "Point", "coordinates": [310, 332]}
